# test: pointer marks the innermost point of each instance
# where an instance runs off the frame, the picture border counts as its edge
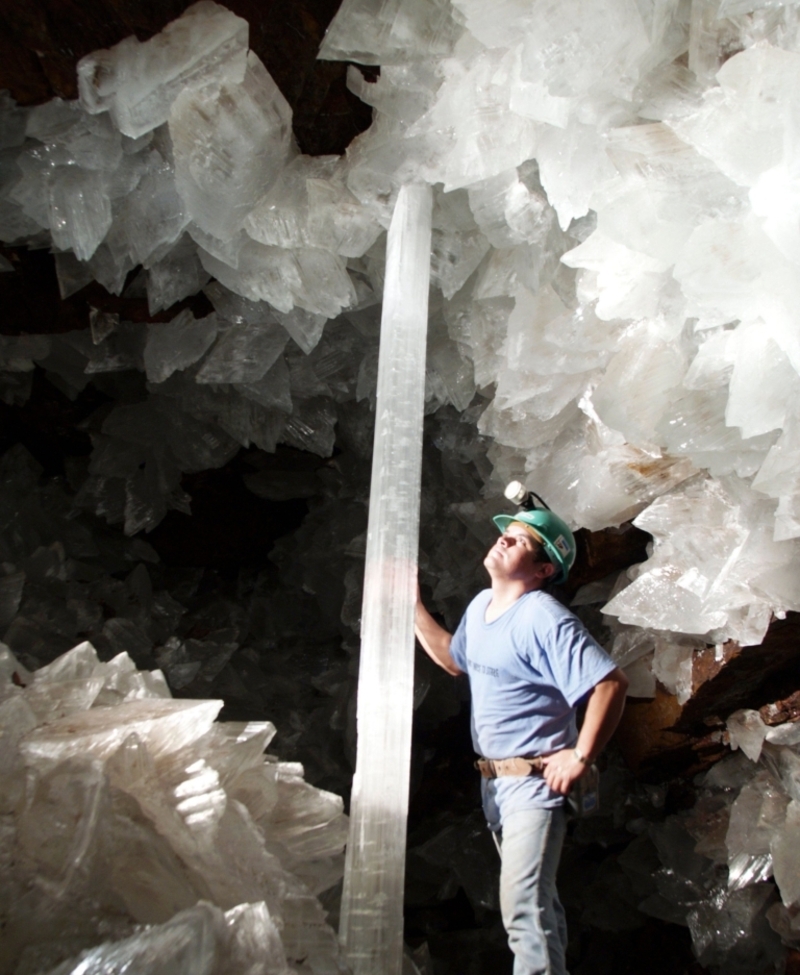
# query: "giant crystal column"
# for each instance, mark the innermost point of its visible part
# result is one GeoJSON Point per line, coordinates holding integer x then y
{"type": "Point", "coordinates": [372, 902]}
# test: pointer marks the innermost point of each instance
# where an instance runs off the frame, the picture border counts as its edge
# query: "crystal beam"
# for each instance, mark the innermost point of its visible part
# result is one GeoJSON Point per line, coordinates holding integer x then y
{"type": "Point", "coordinates": [372, 903]}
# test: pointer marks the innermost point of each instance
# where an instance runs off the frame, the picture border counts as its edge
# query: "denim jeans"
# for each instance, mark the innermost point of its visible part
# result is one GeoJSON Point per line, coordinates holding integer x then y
{"type": "Point", "coordinates": [530, 847]}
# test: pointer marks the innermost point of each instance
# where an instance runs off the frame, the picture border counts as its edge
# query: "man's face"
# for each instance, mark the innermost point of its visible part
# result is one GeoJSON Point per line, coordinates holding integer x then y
{"type": "Point", "coordinates": [514, 557]}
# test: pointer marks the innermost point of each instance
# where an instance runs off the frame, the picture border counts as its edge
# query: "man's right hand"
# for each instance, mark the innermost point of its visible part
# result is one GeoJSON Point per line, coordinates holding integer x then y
{"type": "Point", "coordinates": [435, 639]}
{"type": "Point", "coordinates": [562, 770]}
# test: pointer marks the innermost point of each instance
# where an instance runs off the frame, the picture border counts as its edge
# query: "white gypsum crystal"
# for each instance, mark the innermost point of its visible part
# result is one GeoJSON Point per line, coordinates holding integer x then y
{"type": "Point", "coordinates": [138, 82]}
{"type": "Point", "coordinates": [230, 144]}
{"type": "Point", "coordinates": [371, 925]}
{"type": "Point", "coordinates": [151, 806]}
{"type": "Point", "coordinates": [80, 211]}
{"type": "Point", "coordinates": [177, 344]}
{"type": "Point", "coordinates": [164, 726]}
{"type": "Point", "coordinates": [375, 32]}
{"type": "Point", "coordinates": [176, 275]}
{"type": "Point", "coordinates": [243, 353]}
{"type": "Point", "coordinates": [310, 205]}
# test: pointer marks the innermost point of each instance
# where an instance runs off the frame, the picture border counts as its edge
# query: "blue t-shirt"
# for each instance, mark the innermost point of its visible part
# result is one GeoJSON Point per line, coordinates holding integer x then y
{"type": "Point", "coordinates": [528, 669]}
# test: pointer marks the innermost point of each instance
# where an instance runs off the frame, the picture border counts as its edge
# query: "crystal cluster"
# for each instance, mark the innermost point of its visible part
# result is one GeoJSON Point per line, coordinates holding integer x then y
{"type": "Point", "coordinates": [612, 319]}
{"type": "Point", "coordinates": [136, 829]}
{"type": "Point", "coordinates": [729, 865]}
{"type": "Point", "coordinates": [665, 366]}
{"type": "Point", "coordinates": [269, 650]}
{"type": "Point", "coordinates": [613, 264]}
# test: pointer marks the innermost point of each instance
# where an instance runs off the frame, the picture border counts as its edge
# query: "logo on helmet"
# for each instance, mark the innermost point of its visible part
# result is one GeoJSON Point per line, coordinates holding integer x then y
{"type": "Point", "coordinates": [562, 545]}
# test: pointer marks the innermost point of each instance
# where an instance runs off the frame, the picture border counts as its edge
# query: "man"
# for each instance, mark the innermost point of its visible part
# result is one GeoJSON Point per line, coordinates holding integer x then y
{"type": "Point", "coordinates": [530, 663]}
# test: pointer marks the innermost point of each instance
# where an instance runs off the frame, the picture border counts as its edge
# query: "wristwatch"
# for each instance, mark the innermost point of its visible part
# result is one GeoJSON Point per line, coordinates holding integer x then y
{"type": "Point", "coordinates": [580, 756]}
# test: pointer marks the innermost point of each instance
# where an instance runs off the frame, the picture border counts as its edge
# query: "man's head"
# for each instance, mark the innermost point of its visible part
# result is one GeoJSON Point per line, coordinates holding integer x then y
{"type": "Point", "coordinates": [519, 555]}
{"type": "Point", "coordinates": [552, 534]}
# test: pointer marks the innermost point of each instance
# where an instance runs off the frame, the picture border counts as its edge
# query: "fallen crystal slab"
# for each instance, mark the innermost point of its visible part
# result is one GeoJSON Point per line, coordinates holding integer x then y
{"type": "Point", "coordinates": [183, 945]}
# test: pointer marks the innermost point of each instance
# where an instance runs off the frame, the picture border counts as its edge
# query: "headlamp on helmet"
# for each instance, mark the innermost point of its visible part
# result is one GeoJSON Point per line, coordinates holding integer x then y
{"type": "Point", "coordinates": [557, 539]}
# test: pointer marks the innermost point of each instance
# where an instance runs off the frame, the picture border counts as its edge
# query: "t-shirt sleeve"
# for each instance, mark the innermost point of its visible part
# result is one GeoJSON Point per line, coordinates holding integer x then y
{"type": "Point", "coordinates": [458, 645]}
{"type": "Point", "coordinates": [577, 660]}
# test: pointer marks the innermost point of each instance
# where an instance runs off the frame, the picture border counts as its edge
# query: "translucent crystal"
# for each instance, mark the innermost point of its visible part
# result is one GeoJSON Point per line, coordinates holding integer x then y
{"type": "Point", "coordinates": [163, 725]}
{"type": "Point", "coordinates": [80, 211]}
{"type": "Point", "coordinates": [372, 900]}
{"type": "Point", "coordinates": [16, 720]}
{"type": "Point", "coordinates": [243, 354]}
{"type": "Point", "coordinates": [734, 927]}
{"type": "Point", "coordinates": [747, 731]}
{"type": "Point", "coordinates": [243, 419]}
{"type": "Point", "coordinates": [316, 280]}
{"type": "Point", "coordinates": [712, 599]}
{"type": "Point", "coordinates": [151, 217]}
{"type": "Point", "coordinates": [370, 32]}
{"type": "Point", "coordinates": [303, 326]}
{"type": "Point", "coordinates": [739, 123]}
{"type": "Point", "coordinates": [310, 205]}
{"type": "Point", "coordinates": [777, 478]}
{"type": "Point", "coordinates": [573, 164]}
{"type": "Point", "coordinates": [93, 143]}
{"type": "Point", "coordinates": [177, 275]}
{"type": "Point", "coordinates": [785, 855]}
{"type": "Point", "coordinates": [229, 143]}
{"type": "Point", "coordinates": [138, 82]}
{"type": "Point", "coordinates": [571, 51]}
{"type": "Point", "coordinates": [476, 151]}
{"type": "Point", "coordinates": [61, 825]}
{"type": "Point", "coordinates": [178, 344]}
{"type": "Point", "coordinates": [186, 943]}
{"type": "Point", "coordinates": [272, 390]}
{"type": "Point", "coordinates": [311, 427]}
{"type": "Point", "coordinates": [756, 815]}
{"type": "Point", "coordinates": [508, 211]}
{"type": "Point", "coordinates": [759, 363]}
{"type": "Point", "coordinates": [651, 358]}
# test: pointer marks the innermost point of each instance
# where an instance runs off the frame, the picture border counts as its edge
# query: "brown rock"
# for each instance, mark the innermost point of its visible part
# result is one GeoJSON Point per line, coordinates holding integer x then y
{"type": "Point", "coordinates": [733, 677]}
{"type": "Point", "coordinates": [779, 712]}
{"type": "Point", "coordinates": [662, 735]}
{"type": "Point", "coordinates": [606, 551]}
{"type": "Point", "coordinates": [649, 742]}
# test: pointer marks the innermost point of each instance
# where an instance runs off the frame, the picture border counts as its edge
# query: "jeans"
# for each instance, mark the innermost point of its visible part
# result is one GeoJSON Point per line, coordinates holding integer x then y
{"type": "Point", "coordinates": [530, 848]}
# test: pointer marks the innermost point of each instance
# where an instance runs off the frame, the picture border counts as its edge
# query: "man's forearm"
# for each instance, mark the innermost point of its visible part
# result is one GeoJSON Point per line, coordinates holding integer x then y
{"type": "Point", "coordinates": [435, 640]}
{"type": "Point", "coordinates": [603, 712]}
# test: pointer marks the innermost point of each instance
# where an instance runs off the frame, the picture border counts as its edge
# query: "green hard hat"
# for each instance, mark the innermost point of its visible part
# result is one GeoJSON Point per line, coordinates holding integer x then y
{"type": "Point", "coordinates": [557, 539]}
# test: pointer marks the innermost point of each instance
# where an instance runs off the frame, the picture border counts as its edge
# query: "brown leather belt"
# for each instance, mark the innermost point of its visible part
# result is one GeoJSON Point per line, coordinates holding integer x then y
{"type": "Point", "coordinates": [493, 768]}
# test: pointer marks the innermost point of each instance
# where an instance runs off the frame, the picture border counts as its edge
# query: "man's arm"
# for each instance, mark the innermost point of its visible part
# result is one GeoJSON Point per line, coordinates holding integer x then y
{"type": "Point", "coordinates": [603, 711]}
{"type": "Point", "coordinates": [435, 639]}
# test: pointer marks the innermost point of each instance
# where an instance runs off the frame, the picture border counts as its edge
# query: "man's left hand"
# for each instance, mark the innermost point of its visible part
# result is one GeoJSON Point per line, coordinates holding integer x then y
{"type": "Point", "coordinates": [562, 770]}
